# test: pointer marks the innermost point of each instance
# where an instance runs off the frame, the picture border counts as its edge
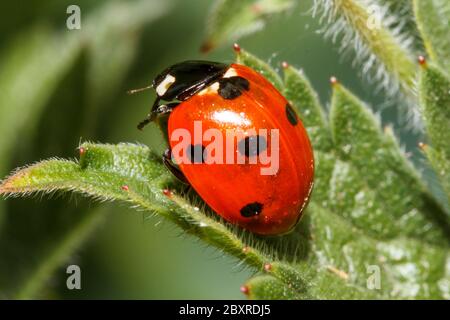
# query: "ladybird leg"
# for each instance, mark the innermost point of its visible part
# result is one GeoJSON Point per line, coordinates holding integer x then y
{"type": "Point", "coordinates": [164, 109]}
{"type": "Point", "coordinates": [150, 117]}
{"type": "Point", "coordinates": [157, 111]}
{"type": "Point", "coordinates": [167, 160]}
{"type": "Point", "coordinates": [144, 122]}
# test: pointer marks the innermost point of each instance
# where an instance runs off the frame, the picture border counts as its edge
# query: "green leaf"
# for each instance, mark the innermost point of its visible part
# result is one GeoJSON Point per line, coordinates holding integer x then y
{"type": "Point", "coordinates": [246, 58]}
{"type": "Point", "coordinates": [378, 162]}
{"type": "Point", "coordinates": [357, 202]}
{"type": "Point", "coordinates": [433, 20]}
{"type": "Point", "coordinates": [266, 287]}
{"type": "Point", "coordinates": [299, 92]}
{"type": "Point", "coordinates": [99, 173]}
{"type": "Point", "coordinates": [434, 93]}
{"type": "Point", "coordinates": [404, 20]}
{"type": "Point", "coordinates": [441, 164]}
{"type": "Point", "coordinates": [434, 90]}
{"type": "Point", "coordinates": [345, 263]}
{"type": "Point", "coordinates": [378, 46]}
{"type": "Point", "coordinates": [347, 258]}
{"type": "Point", "coordinates": [232, 19]}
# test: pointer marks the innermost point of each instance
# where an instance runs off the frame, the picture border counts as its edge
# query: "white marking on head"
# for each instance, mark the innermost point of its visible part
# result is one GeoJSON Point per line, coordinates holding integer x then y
{"type": "Point", "coordinates": [165, 84]}
{"type": "Point", "coordinates": [213, 88]}
{"type": "Point", "coordinates": [231, 72]}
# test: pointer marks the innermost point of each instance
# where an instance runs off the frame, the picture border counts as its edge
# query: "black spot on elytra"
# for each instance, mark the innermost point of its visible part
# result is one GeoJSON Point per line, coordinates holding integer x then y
{"type": "Point", "coordinates": [252, 146]}
{"type": "Point", "coordinates": [251, 209]}
{"type": "Point", "coordinates": [232, 87]}
{"type": "Point", "coordinates": [291, 115]}
{"type": "Point", "coordinates": [195, 153]}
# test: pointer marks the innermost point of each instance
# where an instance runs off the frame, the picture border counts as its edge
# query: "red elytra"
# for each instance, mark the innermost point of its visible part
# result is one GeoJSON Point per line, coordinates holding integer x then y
{"type": "Point", "coordinates": [263, 204]}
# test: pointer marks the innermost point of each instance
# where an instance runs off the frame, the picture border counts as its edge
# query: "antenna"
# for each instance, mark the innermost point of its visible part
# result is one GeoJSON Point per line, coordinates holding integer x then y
{"type": "Point", "coordinates": [133, 91]}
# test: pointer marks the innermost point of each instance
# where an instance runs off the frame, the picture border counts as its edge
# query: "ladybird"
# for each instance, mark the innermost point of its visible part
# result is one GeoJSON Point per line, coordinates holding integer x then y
{"type": "Point", "coordinates": [237, 141]}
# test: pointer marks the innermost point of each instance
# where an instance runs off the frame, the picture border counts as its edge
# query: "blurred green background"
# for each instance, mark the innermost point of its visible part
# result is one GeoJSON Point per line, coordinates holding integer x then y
{"type": "Point", "coordinates": [59, 87]}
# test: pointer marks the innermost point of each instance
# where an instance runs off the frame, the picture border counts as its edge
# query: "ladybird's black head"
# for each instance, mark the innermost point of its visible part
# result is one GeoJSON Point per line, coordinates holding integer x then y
{"type": "Point", "coordinates": [182, 80]}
